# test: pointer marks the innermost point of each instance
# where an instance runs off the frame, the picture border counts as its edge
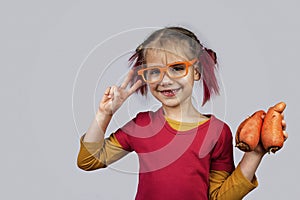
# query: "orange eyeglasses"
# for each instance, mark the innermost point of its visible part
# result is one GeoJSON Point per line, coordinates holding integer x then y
{"type": "Point", "coordinates": [174, 70]}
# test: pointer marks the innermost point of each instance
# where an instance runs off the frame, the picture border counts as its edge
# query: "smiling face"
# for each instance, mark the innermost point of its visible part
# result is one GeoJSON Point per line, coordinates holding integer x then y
{"type": "Point", "coordinates": [171, 92]}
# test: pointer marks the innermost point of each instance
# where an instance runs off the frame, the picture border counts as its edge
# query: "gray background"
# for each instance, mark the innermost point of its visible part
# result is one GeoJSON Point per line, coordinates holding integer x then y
{"type": "Point", "coordinates": [55, 59]}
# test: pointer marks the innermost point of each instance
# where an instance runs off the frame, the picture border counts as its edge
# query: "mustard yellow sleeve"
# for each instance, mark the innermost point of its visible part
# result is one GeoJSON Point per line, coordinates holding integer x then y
{"type": "Point", "coordinates": [95, 155]}
{"type": "Point", "coordinates": [224, 186]}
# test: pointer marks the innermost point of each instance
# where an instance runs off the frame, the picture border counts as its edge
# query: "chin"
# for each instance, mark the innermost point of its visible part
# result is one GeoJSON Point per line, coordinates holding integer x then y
{"type": "Point", "coordinates": [170, 103]}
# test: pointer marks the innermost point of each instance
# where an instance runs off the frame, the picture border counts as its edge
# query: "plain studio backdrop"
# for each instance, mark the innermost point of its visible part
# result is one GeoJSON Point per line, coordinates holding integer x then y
{"type": "Point", "coordinates": [57, 57]}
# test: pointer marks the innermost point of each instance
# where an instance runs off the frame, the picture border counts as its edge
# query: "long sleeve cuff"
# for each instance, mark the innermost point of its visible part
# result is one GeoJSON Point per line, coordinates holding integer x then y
{"type": "Point", "coordinates": [92, 147]}
{"type": "Point", "coordinates": [88, 157]}
{"type": "Point", "coordinates": [235, 186]}
{"type": "Point", "coordinates": [243, 181]}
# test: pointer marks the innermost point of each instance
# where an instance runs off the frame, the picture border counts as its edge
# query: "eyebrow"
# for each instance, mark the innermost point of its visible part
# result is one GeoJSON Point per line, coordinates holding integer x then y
{"type": "Point", "coordinates": [155, 65]}
{"type": "Point", "coordinates": [158, 64]}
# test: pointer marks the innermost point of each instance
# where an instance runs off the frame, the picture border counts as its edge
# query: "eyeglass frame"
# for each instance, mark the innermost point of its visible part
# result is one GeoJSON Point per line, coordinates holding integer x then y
{"type": "Point", "coordinates": [163, 70]}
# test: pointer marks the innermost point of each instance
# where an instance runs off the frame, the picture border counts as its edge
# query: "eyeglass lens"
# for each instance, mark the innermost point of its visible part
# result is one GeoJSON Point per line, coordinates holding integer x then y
{"type": "Point", "coordinates": [174, 71]}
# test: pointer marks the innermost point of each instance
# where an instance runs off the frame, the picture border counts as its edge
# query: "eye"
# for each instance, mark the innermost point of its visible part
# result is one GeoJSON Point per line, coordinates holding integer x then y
{"type": "Point", "coordinates": [153, 71]}
{"type": "Point", "coordinates": [178, 67]}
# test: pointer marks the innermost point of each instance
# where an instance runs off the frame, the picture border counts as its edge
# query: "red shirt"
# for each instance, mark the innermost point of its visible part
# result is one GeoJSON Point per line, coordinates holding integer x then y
{"type": "Point", "coordinates": [176, 164]}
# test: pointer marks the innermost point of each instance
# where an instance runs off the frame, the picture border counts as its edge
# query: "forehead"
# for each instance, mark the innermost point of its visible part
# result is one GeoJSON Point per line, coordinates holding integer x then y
{"type": "Point", "coordinates": [159, 56]}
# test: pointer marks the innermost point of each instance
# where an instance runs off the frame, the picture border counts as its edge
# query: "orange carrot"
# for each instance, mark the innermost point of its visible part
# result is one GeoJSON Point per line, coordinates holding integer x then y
{"type": "Point", "coordinates": [248, 132]}
{"type": "Point", "coordinates": [272, 136]}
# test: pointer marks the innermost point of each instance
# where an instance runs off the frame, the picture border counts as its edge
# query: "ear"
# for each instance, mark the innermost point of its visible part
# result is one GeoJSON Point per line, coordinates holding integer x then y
{"type": "Point", "coordinates": [197, 74]}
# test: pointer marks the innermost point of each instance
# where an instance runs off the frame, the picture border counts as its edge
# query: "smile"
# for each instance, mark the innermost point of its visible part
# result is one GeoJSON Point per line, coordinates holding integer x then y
{"type": "Point", "coordinates": [169, 92]}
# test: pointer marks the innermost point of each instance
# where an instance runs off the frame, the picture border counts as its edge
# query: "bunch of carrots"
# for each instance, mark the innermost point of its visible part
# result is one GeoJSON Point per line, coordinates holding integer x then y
{"type": "Point", "coordinates": [262, 127]}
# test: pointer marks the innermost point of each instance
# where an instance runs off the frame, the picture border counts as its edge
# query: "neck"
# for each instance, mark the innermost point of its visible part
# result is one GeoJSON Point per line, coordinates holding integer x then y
{"type": "Point", "coordinates": [183, 113]}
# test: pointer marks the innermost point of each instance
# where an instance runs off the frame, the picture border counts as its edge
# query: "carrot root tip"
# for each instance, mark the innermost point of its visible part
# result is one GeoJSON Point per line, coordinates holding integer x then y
{"type": "Point", "coordinates": [243, 146]}
{"type": "Point", "coordinates": [273, 149]}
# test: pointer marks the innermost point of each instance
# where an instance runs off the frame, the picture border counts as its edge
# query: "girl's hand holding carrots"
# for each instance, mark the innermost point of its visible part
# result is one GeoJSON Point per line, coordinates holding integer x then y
{"type": "Point", "coordinates": [263, 132]}
{"type": "Point", "coordinates": [115, 96]}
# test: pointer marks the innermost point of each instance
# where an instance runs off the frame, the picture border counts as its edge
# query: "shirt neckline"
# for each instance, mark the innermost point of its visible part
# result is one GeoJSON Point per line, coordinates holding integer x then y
{"type": "Point", "coordinates": [178, 132]}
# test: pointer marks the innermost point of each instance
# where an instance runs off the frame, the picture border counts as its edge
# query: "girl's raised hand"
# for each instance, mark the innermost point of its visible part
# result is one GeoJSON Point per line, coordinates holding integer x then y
{"type": "Point", "coordinates": [115, 96]}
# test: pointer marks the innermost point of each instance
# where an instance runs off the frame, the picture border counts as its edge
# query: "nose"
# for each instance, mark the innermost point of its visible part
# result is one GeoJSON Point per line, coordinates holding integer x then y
{"type": "Point", "coordinates": [166, 80]}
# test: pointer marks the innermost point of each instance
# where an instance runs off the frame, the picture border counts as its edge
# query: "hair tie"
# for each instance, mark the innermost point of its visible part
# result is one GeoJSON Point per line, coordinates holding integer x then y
{"type": "Point", "coordinates": [211, 53]}
{"type": "Point", "coordinates": [139, 48]}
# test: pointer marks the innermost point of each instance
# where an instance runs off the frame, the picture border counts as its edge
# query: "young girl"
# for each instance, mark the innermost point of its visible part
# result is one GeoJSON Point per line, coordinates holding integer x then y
{"type": "Point", "coordinates": [182, 153]}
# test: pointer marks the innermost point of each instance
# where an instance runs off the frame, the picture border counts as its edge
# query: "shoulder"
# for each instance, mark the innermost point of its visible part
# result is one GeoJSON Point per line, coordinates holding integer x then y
{"type": "Point", "coordinates": [218, 135]}
{"type": "Point", "coordinates": [147, 117]}
{"type": "Point", "coordinates": [143, 121]}
{"type": "Point", "coordinates": [220, 123]}
{"type": "Point", "coordinates": [220, 129]}
{"type": "Point", "coordinates": [143, 118]}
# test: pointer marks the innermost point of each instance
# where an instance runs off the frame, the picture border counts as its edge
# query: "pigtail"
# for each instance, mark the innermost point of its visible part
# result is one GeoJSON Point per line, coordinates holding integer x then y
{"type": "Point", "coordinates": [136, 60]}
{"type": "Point", "coordinates": [208, 61]}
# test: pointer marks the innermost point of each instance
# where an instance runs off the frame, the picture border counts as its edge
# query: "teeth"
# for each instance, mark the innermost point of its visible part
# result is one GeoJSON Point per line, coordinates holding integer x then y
{"type": "Point", "coordinates": [172, 90]}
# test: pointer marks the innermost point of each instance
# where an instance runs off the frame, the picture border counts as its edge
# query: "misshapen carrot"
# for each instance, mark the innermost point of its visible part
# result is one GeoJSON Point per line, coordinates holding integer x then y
{"type": "Point", "coordinates": [272, 136]}
{"type": "Point", "coordinates": [248, 132]}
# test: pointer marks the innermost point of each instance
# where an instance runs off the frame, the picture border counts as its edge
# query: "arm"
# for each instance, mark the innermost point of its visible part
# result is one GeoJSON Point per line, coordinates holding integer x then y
{"type": "Point", "coordinates": [111, 101]}
{"type": "Point", "coordinates": [242, 180]}
{"type": "Point", "coordinates": [250, 163]}
{"type": "Point", "coordinates": [95, 155]}
{"type": "Point", "coordinates": [93, 151]}
{"type": "Point", "coordinates": [224, 186]}
{"type": "Point", "coordinates": [251, 160]}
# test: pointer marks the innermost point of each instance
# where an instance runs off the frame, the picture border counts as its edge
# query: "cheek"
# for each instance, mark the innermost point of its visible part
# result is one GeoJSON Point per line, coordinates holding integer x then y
{"type": "Point", "coordinates": [152, 87]}
{"type": "Point", "coordinates": [188, 81]}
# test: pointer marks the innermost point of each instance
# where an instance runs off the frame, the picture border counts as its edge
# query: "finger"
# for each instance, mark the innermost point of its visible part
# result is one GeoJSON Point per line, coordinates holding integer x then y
{"type": "Point", "coordinates": [107, 91]}
{"type": "Point", "coordinates": [112, 91]}
{"type": "Point", "coordinates": [116, 92]}
{"type": "Point", "coordinates": [127, 79]}
{"type": "Point", "coordinates": [135, 86]}
{"type": "Point", "coordinates": [283, 123]}
{"type": "Point", "coordinates": [285, 135]}
{"type": "Point", "coordinates": [106, 95]}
